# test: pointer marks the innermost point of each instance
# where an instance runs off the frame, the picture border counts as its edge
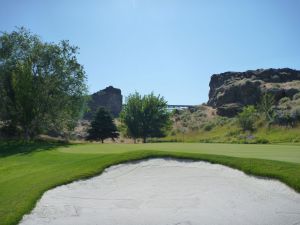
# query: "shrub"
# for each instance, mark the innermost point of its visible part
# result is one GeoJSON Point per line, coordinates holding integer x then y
{"type": "Point", "coordinates": [262, 141]}
{"type": "Point", "coordinates": [173, 133]}
{"type": "Point", "coordinates": [194, 127]}
{"type": "Point", "coordinates": [283, 117]}
{"type": "Point", "coordinates": [9, 131]}
{"type": "Point", "coordinates": [232, 133]}
{"type": "Point", "coordinates": [284, 100]}
{"type": "Point", "coordinates": [296, 96]}
{"type": "Point", "coordinates": [246, 118]}
{"type": "Point", "coordinates": [209, 126]}
{"type": "Point", "coordinates": [295, 113]}
{"type": "Point", "coordinates": [221, 121]}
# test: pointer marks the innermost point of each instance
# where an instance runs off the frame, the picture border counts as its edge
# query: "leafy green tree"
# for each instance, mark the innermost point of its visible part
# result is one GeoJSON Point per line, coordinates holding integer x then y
{"type": "Point", "coordinates": [246, 119]}
{"type": "Point", "coordinates": [266, 106]}
{"type": "Point", "coordinates": [42, 86]}
{"type": "Point", "coordinates": [102, 126]}
{"type": "Point", "coordinates": [145, 116]}
{"type": "Point", "coordinates": [131, 116]}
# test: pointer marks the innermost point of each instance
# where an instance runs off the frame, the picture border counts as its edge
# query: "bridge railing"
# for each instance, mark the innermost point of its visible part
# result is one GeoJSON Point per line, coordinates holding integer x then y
{"type": "Point", "coordinates": [172, 107]}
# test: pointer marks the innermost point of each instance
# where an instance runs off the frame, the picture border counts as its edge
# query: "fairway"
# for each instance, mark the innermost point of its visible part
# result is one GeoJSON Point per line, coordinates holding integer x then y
{"type": "Point", "coordinates": [26, 172]}
{"type": "Point", "coordinates": [286, 153]}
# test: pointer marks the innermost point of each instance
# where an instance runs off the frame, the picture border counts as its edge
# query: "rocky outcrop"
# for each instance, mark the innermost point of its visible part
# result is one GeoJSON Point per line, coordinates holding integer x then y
{"type": "Point", "coordinates": [230, 91]}
{"type": "Point", "coordinates": [109, 98]}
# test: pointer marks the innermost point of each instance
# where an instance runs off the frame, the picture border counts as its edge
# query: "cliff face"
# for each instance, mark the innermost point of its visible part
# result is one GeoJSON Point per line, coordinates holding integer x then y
{"type": "Point", "coordinates": [109, 98]}
{"type": "Point", "coordinates": [230, 91]}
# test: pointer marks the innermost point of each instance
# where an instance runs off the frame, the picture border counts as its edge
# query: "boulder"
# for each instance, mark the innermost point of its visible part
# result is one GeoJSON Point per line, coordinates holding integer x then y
{"type": "Point", "coordinates": [230, 91]}
{"type": "Point", "coordinates": [229, 110]}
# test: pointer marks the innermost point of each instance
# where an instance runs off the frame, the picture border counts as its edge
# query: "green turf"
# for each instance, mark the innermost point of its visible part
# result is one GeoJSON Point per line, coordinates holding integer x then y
{"type": "Point", "coordinates": [28, 170]}
{"type": "Point", "coordinates": [286, 152]}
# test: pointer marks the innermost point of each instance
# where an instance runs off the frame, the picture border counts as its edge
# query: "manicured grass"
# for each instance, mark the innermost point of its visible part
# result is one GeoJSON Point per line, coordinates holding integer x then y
{"type": "Point", "coordinates": [282, 152]}
{"type": "Point", "coordinates": [26, 173]}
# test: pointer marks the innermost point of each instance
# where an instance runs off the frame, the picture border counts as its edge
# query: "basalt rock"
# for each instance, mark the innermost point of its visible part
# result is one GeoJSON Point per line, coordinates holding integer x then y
{"type": "Point", "coordinates": [230, 91]}
{"type": "Point", "coordinates": [109, 98]}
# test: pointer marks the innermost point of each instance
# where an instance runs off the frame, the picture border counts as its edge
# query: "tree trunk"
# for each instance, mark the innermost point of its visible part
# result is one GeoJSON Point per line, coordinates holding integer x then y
{"type": "Point", "coordinates": [144, 139]}
{"type": "Point", "coordinates": [26, 134]}
{"type": "Point", "coordinates": [102, 140]}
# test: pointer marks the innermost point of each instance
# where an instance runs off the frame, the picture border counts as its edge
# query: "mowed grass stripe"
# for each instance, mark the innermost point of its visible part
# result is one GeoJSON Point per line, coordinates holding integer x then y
{"type": "Point", "coordinates": [286, 153]}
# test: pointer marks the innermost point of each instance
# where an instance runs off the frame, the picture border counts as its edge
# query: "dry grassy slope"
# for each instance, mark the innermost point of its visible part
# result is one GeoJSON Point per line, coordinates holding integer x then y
{"type": "Point", "coordinates": [203, 125]}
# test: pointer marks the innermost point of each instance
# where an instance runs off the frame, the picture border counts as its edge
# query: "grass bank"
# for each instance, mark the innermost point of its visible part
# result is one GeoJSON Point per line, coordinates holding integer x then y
{"type": "Point", "coordinates": [26, 175]}
{"type": "Point", "coordinates": [230, 133]}
{"type": "Point", "coordinates": [202, 124]}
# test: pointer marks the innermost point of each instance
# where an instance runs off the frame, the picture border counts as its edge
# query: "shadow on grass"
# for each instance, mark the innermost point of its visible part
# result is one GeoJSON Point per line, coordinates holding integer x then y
{"type": "Point", "coordinates": [8, 148]}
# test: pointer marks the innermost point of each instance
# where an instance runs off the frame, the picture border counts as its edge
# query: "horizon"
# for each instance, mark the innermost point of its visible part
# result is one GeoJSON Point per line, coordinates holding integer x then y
{"type": "Point", "coordinates": [169, 47]}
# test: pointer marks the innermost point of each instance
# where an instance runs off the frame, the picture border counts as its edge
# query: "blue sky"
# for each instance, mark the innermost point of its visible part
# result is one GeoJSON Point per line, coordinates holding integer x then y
{"type": "Point", "coordinates": [171, 47]}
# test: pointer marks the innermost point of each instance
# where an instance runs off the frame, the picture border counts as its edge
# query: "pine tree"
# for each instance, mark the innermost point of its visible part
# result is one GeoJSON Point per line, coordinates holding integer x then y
{"type": "Point", "coordinates": [102, 127]}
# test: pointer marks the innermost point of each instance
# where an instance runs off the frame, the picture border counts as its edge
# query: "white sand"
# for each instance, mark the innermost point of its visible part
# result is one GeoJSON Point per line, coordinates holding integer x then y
{"type": "Point", "coordinates": [168, 192]}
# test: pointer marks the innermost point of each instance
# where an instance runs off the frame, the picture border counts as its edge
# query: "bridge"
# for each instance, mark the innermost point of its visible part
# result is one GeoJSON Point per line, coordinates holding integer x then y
{"type": "Point", "coordinates": [172, 107]}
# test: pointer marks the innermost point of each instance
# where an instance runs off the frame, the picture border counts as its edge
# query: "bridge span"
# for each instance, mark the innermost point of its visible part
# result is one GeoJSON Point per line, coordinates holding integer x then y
{"type": "Point", "coordinates": [172, 107]}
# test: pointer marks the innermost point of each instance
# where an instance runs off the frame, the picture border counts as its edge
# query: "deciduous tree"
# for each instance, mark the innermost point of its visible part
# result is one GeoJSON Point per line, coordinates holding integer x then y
{"type": "Point", "coordinates": [145, 116]}
{"type": "Point", "coordinates": [43, 87]}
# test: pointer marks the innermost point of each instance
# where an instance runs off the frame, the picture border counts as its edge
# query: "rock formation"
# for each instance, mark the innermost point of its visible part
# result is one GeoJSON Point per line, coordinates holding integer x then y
{"type": "Point", "coordinates": [109, 98]}
{"type": "Point", "coordinates": [230, 91]}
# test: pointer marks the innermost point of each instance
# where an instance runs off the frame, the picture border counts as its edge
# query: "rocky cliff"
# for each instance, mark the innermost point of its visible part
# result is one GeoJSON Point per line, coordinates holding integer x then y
{"type": "Point", "coordinates": [230, 91]}
{"type": "Point", "coordinates": [109, 98]}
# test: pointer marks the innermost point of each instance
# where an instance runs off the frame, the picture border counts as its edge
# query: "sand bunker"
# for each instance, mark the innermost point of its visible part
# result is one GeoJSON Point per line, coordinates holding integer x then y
{"type": "Point", "coordinates": [168, 192]}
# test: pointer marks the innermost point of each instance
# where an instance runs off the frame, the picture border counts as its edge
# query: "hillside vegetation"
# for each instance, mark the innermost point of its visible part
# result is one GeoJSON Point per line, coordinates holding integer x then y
{"type": "Point", "coordinates": [203, 125]}
{"type": "Point", "coordinates": [256, 106]}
